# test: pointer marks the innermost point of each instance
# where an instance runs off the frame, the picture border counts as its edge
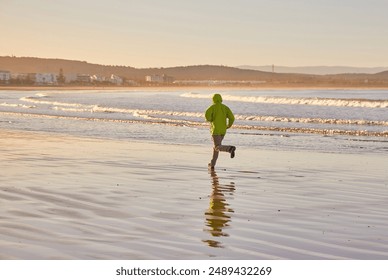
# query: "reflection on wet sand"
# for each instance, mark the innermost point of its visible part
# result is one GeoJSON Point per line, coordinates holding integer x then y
{"type": "Point", "coordinates": [218, 215]}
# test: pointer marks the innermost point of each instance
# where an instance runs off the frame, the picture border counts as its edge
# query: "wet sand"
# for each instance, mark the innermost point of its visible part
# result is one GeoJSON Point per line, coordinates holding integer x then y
{"type": "Point", "coordinates": [80, 198]}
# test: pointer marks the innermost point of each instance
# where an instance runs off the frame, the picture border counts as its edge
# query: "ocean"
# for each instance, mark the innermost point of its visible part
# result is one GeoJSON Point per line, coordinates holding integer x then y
{"type": "Point", "coordinates": [332, 121]}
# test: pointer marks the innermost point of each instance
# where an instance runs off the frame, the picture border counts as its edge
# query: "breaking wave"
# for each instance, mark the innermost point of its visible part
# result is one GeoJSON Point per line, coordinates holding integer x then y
{"type": "Point", "coordinates": [160, 114]}
{"type": "Point", "coordinates": [94, 112]}
{"type": "Point", "coordinates": [172, 122]}
{"type": "Point", "coordinates": [5, 104]}
{"type": "Point", "coordinates": [36, 100]}
{"type": "Point", "coordinates": [316, 101]}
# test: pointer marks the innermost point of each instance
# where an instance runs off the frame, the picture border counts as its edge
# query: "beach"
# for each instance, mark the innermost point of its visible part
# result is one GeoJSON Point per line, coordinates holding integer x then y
{"type": "Point", "coordinates": [72, 197]}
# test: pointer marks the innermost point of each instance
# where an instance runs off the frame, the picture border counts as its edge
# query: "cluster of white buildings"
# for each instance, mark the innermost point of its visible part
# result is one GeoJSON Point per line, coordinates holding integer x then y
{"type": "Point", "coordinates": [87, 79]}
{"type": "Point", "coordinates": [159, 79]}
{"type": "Point", "coordinates": [6, 77]}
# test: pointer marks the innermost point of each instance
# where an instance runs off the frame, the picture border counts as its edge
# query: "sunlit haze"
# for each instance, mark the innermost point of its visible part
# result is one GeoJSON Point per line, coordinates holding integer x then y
{"type": "Point", "coordinates": [150, 33]}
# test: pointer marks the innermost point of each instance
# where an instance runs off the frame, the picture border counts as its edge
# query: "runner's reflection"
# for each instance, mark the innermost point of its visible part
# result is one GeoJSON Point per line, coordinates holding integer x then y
{"type": "Point", "coordinates": [218, 215]}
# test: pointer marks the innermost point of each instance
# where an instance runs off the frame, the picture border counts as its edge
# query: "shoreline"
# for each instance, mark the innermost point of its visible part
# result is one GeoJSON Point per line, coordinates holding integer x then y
{"type": "Point", "coordinates": [169, 88]}
{"type": "Point", "coordinates": [68, 197]}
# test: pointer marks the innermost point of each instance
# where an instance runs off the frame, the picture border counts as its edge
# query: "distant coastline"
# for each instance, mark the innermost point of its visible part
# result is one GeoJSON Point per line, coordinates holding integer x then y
{"type": "Point", "coordinates": [40, 73]}
{"type": "Point", "coordinates": [316, 70]}
{"type": "Point", "coordinates": [170, 87]}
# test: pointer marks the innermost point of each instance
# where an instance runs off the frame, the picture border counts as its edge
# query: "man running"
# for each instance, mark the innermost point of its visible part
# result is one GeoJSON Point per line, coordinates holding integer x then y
{"type": "Point", "coordinates": [221, 118]}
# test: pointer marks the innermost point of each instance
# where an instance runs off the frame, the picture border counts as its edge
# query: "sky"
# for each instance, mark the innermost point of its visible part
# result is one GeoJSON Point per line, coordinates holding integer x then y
{"type": "Point", "coordinates": [155, 33]}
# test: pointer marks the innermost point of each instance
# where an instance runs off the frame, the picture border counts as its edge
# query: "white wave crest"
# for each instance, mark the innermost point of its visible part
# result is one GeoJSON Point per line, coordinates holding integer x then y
{"type": "Point", "coordinates": [42, 95]}
{"type": "Point", "coordinates": [170, 122]}
{"type": "Point", "coordinates": [310, 120]}
{"type": "Point", "coordinates": [5, 104]}
{"type": "Point", "coordinates": [176, 115]}
{"type": "Point", "coordinates": [317, 101]}
{"type": "Point", "coordinates": [36, 100]}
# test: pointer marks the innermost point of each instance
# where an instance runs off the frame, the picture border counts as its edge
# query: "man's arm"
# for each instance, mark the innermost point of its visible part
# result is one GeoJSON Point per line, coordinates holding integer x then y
{"type": "Point", "coordinates": [209, 114]}
{"type": "Point", "coordinates": [230, 117]}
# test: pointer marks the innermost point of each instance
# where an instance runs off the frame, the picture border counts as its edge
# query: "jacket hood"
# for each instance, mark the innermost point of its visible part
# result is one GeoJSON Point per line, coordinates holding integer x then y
{"type": "Point", "coordinates": [217, 98]}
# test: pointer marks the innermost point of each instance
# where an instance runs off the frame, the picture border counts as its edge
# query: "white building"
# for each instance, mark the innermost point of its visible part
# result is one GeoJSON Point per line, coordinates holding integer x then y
{"type": "Point", "coordinates": [45, 79]}
{"type": "Point", "coordinates": [5, 76]}
{"type": "Point", "coordinates": [154, 78]}
{"type": "Point", "coordinates": [116, 80]}
{"type": "Point", "coordinates": [159, 79]}
{"type": "Point", "coordinates": [20, 76]}
{"type": "Point", "coordinates": [84, 78]}
{"type": "Point", "coordinates": [97, 78]}
{"type": "Point", "coordinates": [70, 77]}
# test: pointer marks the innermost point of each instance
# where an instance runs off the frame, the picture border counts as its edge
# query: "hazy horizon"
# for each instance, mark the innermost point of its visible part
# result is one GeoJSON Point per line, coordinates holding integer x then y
{"type": "Point", "coordinates": [172, 66]}
{"type": "Point", "coordinates": [151, 33]}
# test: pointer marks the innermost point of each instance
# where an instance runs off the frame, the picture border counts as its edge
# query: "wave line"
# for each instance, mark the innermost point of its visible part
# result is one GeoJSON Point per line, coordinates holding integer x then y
{"type": "Point", "coordinates": [316, 101]}
{"type": "Point", "coordinates": [171, 122]}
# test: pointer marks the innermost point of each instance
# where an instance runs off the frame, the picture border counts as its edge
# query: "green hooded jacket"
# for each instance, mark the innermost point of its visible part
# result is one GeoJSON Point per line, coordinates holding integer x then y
{"type": "Point", "coordinates": [220, 116]}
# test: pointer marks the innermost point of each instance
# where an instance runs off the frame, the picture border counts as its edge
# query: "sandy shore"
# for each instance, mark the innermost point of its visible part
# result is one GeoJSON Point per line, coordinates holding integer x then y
{"type": "Point", "coordinates": [77, 198]}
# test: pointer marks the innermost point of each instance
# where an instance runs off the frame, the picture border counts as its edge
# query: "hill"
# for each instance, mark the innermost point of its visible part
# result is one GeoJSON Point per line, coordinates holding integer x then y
{"type": "Point", "coordinates": [199, 72]}
{"type": "Point", "coordinates": [382, 74]}
{"type": "Point", "coordinates": [317, 70]}
{"type": "Point", "coordinates": [190, 73]}
{"type": "Point", "coordinates": [46, 65]}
